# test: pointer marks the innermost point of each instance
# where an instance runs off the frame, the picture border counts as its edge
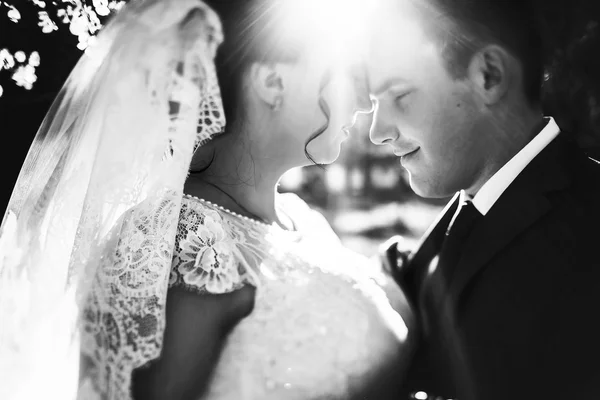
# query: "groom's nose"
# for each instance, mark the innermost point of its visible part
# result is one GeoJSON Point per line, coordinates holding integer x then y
{"type": "Point", "coordinates": [364, 103]}
{"type": "Point", "coordinates": [382, 131]}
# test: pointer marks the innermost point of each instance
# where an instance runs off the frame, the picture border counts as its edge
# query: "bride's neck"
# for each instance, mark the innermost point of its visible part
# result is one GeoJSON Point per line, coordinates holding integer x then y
{"type": "Point", "coordinates": [240, 179]}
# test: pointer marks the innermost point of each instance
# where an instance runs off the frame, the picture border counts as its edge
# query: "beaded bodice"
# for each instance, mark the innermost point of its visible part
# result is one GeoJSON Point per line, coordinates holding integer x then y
{"type": "Point", "coordinates": [321, 324]}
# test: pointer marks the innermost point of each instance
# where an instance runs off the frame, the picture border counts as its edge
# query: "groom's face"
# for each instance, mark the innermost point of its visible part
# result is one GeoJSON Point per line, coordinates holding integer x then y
{"type": "Point", "coordinates": [428, 118]}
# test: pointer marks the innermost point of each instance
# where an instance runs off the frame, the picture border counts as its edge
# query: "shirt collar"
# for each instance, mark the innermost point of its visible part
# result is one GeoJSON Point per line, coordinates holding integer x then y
{"type": "Point", "coordinates": [491, 191]}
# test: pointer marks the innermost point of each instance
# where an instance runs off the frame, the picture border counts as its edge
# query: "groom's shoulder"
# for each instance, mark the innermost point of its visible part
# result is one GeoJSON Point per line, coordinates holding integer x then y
{"type": "Point", "coordinates": [586, 169]}
{"type": "Point", "coordinates": [594, 163]}
{"type": "Point", "coordinates": [593, 166]}
{"type": "Point", "coordinates": [568, 177]}
{"type": "Point", "coordinates": [565, 148]}
{"type": "Point", "coordinates": [585, 175]}
{"type": "Point", "coordinates": [589, 181]}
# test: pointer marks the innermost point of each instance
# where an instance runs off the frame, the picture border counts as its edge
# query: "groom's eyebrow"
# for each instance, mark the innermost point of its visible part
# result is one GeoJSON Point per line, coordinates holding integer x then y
{"type": "Point", "coordinates": [386, 84]}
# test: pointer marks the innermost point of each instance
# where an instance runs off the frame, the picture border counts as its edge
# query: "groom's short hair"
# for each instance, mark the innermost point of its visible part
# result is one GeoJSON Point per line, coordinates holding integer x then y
{"type": "Point", "coordinates": [460, 27]}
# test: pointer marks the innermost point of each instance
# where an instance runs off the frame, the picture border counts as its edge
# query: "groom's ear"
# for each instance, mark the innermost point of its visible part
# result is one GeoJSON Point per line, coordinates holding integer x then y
{"type": "Point", "coordinates": [491, 70]}
{"type": "Point", "coordinates": [267, 82]}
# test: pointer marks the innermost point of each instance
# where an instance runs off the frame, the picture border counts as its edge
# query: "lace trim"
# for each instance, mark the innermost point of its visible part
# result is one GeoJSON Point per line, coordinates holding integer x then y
{"type": "Point", "coordinates": [228, 211]}
{"type": "Point", "coordinates": [208, 257]}
{"type": "Point", "coordinates": [123, 320]}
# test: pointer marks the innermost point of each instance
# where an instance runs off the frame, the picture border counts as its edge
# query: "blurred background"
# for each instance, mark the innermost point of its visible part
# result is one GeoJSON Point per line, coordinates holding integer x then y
{"type": "Point", "coordinates": [365, 194]}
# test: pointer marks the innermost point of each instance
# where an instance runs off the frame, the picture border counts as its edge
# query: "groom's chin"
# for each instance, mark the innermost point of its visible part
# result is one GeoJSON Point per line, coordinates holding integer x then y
{"type": "Point", "coordinates": [427, 189]}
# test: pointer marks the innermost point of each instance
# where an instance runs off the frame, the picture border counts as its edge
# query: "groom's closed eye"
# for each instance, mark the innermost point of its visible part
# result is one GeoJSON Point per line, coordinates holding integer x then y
{"type": "Point", "coordinates": [390, 84]}
{"type": "Point", "coordinates": [401, 100]}
{"type": "Point", "coordinates": [396, 90]}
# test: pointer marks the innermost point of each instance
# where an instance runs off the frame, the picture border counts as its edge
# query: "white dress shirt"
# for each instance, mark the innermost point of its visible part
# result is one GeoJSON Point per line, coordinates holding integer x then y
{"type": "Point", "coordinates": [491, 191]}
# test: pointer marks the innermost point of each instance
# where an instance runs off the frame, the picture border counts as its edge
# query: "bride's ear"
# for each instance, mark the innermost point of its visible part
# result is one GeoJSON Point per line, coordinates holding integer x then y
{"type": "Point", "coordinates": [267, 82]}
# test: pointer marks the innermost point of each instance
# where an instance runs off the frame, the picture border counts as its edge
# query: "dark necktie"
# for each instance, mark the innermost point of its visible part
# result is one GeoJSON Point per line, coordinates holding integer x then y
{"type": "Point", "coordinates": [435, 285]}
{"type": "Point", "coordinates": [458, 232]}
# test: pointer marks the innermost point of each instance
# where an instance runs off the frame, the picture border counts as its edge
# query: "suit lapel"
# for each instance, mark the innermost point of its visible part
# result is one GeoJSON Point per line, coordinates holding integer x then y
{"type": "Point", "coordinates": [429, 246]}
{"type": "Point", "coordinates": [523, 203]}
{"type": "Point", "coordinates": [499, 227]}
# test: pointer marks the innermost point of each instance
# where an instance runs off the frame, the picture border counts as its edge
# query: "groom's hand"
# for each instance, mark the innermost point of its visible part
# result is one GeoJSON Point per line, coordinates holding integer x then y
{"type": "Point", "coordinates": [393, 254]}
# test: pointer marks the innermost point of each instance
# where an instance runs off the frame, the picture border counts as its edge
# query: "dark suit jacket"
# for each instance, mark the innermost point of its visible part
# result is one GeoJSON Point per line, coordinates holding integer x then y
{"type": "Point", "coordinates": [521, 316]}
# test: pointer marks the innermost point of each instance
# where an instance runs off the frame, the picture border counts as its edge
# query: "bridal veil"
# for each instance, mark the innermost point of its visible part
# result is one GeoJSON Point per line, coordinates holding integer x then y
{"type": "Point", "coordinates": [87, 239]}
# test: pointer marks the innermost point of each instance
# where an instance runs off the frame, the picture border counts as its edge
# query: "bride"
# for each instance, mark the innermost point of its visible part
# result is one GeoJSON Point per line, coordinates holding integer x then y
{"type": "Point", "coordinates": [207, 284]}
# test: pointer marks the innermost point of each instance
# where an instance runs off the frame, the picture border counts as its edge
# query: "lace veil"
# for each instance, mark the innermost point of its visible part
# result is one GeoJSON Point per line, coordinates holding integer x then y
{"type": "Point", "coordinates": [87, 238]}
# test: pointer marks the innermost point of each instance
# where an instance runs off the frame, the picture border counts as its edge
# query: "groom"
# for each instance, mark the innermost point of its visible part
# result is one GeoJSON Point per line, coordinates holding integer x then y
{"type": "Point", "coordinates": [506, 283]}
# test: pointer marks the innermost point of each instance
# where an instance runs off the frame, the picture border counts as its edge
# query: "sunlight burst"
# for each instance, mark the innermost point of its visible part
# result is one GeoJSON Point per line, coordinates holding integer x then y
{"type": "Point", "coordinates": [332, 27]}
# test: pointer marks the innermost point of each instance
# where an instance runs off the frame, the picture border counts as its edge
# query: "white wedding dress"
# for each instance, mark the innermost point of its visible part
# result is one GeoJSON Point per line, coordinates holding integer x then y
{"type": "Point", "coordinates": [321, 327]}
{"type": "Point", "coordinates": [97, 229]}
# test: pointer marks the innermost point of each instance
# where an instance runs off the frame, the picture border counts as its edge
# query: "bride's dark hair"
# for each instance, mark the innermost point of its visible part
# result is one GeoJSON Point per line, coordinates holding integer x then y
{"type": "Point", "coordinates": [253, 35]}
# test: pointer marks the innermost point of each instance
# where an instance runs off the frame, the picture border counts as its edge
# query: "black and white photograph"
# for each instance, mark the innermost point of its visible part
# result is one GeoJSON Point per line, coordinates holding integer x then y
{"type": "Point", "coordinates": [300, 200]}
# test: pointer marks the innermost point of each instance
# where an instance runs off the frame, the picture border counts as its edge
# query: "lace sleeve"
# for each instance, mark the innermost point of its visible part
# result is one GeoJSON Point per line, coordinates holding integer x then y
{"type": "Point", "coordinates": [206, 258]}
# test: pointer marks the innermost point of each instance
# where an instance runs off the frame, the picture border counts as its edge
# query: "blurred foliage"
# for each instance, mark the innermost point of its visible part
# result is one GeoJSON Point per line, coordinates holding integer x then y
{"type": "Point", "coordinates": [54, 32]}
